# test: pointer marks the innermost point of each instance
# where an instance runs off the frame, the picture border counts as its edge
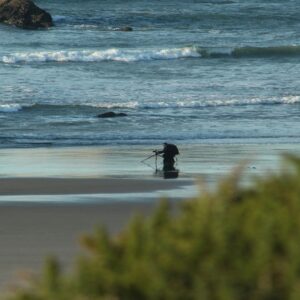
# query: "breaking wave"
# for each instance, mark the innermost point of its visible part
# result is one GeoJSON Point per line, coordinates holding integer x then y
{"type": "Point", "coordinates": [7, 108]}
{"type": "Point", "coordinates": [200, 104]}
{"type": "Point", "coordinates": [10, 107]}
{"type": "Point", "coordinates": [123, 55]}
{"type": "Point", "coordinates": [100, 55]}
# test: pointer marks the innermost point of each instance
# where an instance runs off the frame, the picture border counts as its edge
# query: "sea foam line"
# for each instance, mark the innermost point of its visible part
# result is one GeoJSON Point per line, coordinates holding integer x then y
{"type": "Point", "coordinates": [133, 55]}
{"type": "Point", "coordinates": [14, 107]}
{"type": "Point", "coordinates": [100, 55]}
{"type": "Point", "coordinates": [292, 99]}
{"type": "Point", "coordinates": [199, 104]}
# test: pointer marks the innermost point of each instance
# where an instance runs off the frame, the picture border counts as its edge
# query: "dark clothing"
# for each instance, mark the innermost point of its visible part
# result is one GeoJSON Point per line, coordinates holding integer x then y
{"type": "Point", "coordinates": [169, 152]}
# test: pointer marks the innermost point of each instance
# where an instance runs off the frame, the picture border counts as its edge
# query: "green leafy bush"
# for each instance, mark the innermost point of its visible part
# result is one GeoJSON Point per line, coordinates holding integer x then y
{"type": "Point", "coordinates": [233, 243]}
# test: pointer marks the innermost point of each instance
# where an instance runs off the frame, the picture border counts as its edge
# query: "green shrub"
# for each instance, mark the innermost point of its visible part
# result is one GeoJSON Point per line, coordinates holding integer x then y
{"type": "Point", "coordinates": [231, 244]}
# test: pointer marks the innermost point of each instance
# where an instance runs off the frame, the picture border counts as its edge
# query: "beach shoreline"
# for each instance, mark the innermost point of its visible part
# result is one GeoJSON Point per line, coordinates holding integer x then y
{"type": "Point", "coordinates": [85, 106]}
{"type": "Point", "coordinates": [109, 186]}
{"type": "Point", "coordinates": [129, 161]}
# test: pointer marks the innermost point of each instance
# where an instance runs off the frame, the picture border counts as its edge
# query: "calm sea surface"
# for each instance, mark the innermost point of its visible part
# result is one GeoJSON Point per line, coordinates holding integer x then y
{"type": "Point", "coordinates": [214, 71]}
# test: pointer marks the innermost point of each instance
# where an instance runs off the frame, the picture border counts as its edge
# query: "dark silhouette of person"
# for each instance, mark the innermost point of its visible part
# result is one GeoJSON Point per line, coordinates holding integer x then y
{"type": "Point", "coordinates": [168, 153]}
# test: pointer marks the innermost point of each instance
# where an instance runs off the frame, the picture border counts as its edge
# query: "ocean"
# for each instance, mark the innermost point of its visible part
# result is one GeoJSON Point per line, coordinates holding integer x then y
{"type": "Point", "coordinates": [190, 72]}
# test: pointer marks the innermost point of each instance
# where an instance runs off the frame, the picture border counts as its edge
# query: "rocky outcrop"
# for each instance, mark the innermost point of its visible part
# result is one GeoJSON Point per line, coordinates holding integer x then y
{"type": "Point", "coordinates": [111, 114]}
{"type": "Point", "coordinates": [24, 14]}
{"type": "Point", "coordinates": [125, 28]}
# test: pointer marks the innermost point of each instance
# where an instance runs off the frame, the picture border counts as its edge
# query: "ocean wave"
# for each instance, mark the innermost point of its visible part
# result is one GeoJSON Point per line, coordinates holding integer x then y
{"type": "Point", "coordinates": [23, 140]}
{"type": "Point", "coordinates": [241, 52]}
{"type": "Point", "coordinates": [131, 105]}
{"type": "Point", "coordinates": [217, 103]}
{"type": "Point", "coordinates": [199, 104]}
{"type": "Point", "coordinates": [7, 108]}
{"type": "Point", "coordinates": [85, 26]}
{"type": "Point", "coordinates": [108, 105]}
{"type": "Point", "coordinates": [123, 55]}
{"type": "Point", "coordinates": [100, 55]}
{"type": "Point", "coordinates": [267, 51]}
{"type": "Point", "coordinates": [15, 107]}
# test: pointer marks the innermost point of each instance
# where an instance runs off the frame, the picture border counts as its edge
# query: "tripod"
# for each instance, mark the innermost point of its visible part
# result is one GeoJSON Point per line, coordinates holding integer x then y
{"type": "Point", "coordinates": [155, 154]}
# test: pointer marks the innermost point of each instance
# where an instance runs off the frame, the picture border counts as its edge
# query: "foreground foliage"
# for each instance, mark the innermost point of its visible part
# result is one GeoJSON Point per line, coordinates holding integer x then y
{"type": "Point", "coordinates": [234, 243]}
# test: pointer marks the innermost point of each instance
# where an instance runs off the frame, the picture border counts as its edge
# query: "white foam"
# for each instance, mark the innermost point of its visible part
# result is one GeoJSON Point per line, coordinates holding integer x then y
{"type": "Point", "coordinates": [10, 107]}
{"type": "Point", "coordinates": [85, 26]}
{"type": "Point", "coordinates": [130, 104]}
{"type": "Point", "coordinates": [99, 55]}
{"type": "Point", "coordinates": [198, 103]}
{"type": "Point", "coordinates": [291, 99]}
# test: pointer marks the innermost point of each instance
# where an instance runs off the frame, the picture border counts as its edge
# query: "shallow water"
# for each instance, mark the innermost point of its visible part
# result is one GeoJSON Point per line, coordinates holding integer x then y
{"type": "Point", "coordinates": [190, 72]}
{"type": "Point", "coordinates": [208, 163]}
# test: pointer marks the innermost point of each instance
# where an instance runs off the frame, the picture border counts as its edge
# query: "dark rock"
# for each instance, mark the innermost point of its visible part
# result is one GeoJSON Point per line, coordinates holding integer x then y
{"type": "Point", "coordinates": [125, 28]}
{"type": "Point", "coordinates": [24, 14]}
{"type": "Point", "coordinates": [111, 114]}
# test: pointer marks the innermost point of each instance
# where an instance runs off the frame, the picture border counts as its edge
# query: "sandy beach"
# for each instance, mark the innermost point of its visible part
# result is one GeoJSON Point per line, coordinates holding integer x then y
{"type": "Point", "coordinates": [29, 233]}
{"type": "Point", "coordinates": [33, 226]}
{"type": "Point", "coordinates": [73, 186]}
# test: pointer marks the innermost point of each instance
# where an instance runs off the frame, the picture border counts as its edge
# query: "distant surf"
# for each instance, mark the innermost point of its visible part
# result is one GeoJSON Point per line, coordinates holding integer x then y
{"type": "Point", "coordinates": [15, 107]}
{"type": "Point", "coordinates": [100, 55]}
{"type": "Point", "coordinates": [123, 55]}
{"type": "Point", "coordinates": [190, 71]}
{"type": "Point", "coordinates": [7, 108]}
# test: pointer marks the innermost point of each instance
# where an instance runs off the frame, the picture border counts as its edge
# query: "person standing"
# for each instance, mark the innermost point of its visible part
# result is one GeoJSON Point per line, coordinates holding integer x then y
{"type": "Point", "coordinates": [168, 153]}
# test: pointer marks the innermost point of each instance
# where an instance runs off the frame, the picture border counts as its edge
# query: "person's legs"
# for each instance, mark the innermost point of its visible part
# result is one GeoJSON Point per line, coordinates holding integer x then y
{"type": "Point", "coordinates": [168, 164]}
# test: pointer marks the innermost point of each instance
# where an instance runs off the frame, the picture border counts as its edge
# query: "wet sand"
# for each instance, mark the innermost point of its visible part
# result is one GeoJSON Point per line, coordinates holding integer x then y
{"type": "Point", "coordinates": [73, 186]}
{"type": "Point", "coordinates": [125, 162]}
{"type": "Point", "coordinates": [29, 231]}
